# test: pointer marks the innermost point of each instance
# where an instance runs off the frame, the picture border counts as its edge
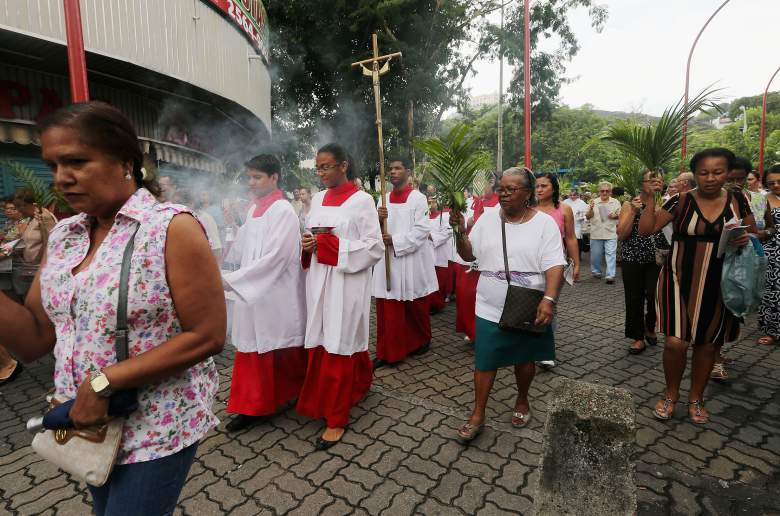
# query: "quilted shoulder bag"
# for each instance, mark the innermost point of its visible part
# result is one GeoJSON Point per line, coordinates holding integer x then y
{"type": "Point", "coordinates": [521, 303]}
{"type": "Point", "coordinates": [90, 454]}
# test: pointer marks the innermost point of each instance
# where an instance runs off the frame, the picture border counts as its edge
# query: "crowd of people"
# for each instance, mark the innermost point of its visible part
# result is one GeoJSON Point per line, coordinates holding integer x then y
{"type": "Point", "coordinates": [299, 275]}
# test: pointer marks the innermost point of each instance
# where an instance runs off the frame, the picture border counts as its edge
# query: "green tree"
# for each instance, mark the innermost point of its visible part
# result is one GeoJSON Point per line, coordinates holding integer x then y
{"type": "Point", "coordinates": [317, 97]}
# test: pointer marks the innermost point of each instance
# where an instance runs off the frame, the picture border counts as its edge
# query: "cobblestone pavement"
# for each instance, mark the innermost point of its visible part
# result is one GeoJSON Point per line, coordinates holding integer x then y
{"type": "Point", "coordinates": [399, 456]}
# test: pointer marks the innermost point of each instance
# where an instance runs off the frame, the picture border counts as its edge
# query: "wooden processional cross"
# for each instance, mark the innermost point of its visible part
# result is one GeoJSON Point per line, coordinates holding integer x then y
{"type": "Point", "coordinates": [375, 72]}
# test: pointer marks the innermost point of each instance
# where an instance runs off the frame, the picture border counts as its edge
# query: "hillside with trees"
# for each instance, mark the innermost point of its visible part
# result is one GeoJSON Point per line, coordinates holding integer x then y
{"type": "Point", "coordinates": [569, 138]}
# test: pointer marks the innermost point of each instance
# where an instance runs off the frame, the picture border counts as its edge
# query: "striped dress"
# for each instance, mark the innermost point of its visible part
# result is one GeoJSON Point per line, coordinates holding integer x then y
{"type": "Point", "coordinates": [688, 297]}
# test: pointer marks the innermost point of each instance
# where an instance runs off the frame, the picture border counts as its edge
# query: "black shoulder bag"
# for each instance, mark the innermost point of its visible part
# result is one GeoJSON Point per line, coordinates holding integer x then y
{"type": "Point", "coordinates": [521, 303]}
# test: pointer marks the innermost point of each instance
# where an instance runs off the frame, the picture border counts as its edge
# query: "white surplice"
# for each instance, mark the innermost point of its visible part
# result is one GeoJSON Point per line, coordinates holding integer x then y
{"type": "Point", "coordinates": [338, 299]}
{"type": "Point", "coordinates": [441, 235]}
{"type": "Point", "coordinates": [270, 311]}
{"type": "Point", "coordinates": [412, 273]}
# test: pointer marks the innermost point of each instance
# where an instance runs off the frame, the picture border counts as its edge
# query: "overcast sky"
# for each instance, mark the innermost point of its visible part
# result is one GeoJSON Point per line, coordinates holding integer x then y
{"type": "Point", "coordinates": [637, 63]}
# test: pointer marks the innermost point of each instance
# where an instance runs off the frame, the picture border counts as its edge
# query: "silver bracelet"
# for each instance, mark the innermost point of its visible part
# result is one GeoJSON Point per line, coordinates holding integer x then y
{"type": "Point", "coordinates": [551, 299]}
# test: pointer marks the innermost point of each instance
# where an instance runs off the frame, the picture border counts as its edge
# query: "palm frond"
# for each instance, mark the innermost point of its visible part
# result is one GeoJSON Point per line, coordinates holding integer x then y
{"type": "Point", "coordinates": [452, 164]}
{"type": "Point", "coordinates": [657, 145]}
{"type": "Point", "coordinates": [44, 196]}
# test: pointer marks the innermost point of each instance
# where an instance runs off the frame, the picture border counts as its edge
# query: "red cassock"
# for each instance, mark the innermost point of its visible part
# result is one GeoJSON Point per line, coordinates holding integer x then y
{"type": "Point", "coordinates": [335, 382]}
{"type": "Point", "coordinates": [466, 301]}
{"type": "Point", "coordinates": [466, 282]}
{"type": "Point", "coordinates": [403, 322]}
{"type": "Point", "coordinates": [444, 274]}
{"type": "Point", "coordinates": [402, 327]}
{"type": "Point", "coordinates": [262, 382]}
{"type": "Point", "coordinates": [438, 299]}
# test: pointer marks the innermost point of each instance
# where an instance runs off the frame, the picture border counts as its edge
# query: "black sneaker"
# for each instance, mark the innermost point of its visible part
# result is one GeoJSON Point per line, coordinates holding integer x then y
{"type": "Point", "coordinates": [242, 421]}
{"type": "Point", "coordinates": [423, 349]}
{"type": "Point", "coordinates": [378, 362]}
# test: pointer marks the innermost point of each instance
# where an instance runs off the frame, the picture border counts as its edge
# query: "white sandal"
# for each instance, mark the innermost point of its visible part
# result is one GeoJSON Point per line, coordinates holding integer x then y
{"type": "Point", "coordinates": [519, 419]}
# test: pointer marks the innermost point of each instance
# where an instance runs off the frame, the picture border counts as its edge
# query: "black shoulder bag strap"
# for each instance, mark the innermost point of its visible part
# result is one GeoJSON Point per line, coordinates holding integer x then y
{"type": "Point", "coordinates": [503, 243]}
{"type": "Point", "coordinates": [120, 334]}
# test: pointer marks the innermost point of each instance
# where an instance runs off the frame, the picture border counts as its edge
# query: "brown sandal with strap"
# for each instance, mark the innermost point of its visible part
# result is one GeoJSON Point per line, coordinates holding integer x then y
{"type": "Point", "coordinates": [699, 415]}
{"type": "Point", "coordinates": [468, 431]}
{"type": "Point", "coordinates": [664, 409]}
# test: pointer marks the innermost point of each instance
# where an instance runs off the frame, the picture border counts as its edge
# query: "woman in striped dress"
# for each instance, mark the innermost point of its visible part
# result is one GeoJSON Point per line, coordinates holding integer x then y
{"type": "Point", "coordinates": [688, 297]}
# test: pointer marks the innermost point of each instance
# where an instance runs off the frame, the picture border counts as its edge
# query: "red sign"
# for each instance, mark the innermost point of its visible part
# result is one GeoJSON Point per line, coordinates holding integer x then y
{"type": "Point", "coordinates": [250, 17]}
{"type": "Point", "coordinates": [14, 94]}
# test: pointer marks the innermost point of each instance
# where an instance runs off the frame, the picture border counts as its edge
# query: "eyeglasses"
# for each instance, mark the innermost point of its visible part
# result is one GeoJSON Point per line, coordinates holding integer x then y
{"type": "Point", "coordinates": [605, 191]}
{"type": "Point", "coordinates": [325, 168]}
{"type": "Point", "coordinates": [509, 191]}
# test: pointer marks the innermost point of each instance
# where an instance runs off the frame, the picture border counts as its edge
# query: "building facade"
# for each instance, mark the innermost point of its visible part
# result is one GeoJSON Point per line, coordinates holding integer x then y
{"type": "Point", "coordinates": [192, 75]}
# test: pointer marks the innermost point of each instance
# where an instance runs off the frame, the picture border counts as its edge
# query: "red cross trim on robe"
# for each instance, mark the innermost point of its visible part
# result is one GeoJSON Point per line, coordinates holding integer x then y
{"type": "Point", "coordinates": [328, 244]}
{"type": "Point", "coordinates": [401, 195]}
{"type": "Point", "coordinates": [435, 213]}
{"type": "Point", "coordinates": [263, 203]}
{"type": "Point", "coordinates": [480, 203]}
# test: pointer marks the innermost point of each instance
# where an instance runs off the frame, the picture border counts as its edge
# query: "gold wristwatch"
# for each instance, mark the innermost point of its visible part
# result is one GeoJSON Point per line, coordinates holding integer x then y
{"type": "Point", "coordinates": [100, 385]}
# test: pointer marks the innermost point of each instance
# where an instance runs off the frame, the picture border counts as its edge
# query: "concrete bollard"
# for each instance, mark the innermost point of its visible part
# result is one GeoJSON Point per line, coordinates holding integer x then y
{"type": "Point", "coordinates": [587, 465]}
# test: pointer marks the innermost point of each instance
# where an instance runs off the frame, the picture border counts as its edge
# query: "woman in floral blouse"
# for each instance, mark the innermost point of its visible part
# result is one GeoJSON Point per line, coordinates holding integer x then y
{"type": "Point", "coordinates": [176, 312]}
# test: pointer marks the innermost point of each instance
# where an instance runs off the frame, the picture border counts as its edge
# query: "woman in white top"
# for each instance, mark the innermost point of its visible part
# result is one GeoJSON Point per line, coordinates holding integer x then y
{"type": "Point", "coordinates": [535, 256]}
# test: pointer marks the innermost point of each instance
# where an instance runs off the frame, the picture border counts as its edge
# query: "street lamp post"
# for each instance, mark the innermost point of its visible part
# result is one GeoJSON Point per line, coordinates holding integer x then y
{"type": "Point", "coordinates": [744, 120]}
{"type": "Point", "coordinates": [77, 62]}
{"type": "Point", "coordinates": [527, 80]}
{"type": "Point", "coordinates": [688, 80]}
{"type": "Point", "coordinates": [500, 144]}
{"type": "Point", "coordinates": [762, 138]}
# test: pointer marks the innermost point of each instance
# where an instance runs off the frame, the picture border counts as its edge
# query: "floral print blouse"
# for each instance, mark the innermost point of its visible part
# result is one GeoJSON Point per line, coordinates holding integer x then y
{"type": "Point", "coordinates": [173, 413]}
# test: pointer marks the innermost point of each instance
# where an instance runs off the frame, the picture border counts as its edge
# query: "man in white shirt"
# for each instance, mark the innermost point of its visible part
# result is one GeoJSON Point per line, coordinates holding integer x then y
{"type": "Point", "coordinates": [579, 208]}
{"type": "Point", "coordinates": [403, 324]}
{"type": "Point", "coordinates": [603, 214]}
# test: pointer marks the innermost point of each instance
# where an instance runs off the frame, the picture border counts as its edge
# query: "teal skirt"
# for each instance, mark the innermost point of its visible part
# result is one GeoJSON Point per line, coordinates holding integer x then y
{"type": "Point", "coordinates": [496, 348]}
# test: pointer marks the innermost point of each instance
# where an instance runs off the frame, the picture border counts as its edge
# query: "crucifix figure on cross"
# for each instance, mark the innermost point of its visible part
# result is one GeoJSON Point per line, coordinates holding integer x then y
{"type": "Point", "coordinates": [375, 72]}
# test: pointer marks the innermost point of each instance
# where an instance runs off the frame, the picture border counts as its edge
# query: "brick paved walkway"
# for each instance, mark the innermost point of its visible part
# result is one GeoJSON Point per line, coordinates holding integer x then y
{"type": "Point", "coordinates": [399, 456]}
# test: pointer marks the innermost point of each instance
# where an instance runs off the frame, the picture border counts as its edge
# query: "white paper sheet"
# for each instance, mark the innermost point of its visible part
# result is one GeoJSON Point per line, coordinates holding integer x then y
{"type": "Point", "coordinates": [732, 228]}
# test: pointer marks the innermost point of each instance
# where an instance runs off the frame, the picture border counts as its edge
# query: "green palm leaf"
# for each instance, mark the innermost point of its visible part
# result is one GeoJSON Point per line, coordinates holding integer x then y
{"type": "Point", "coordinates": [44, 196]}
{"type": "Point", "coordinates": [657, 145]}
{"type": "Point", "coordinates": [452, 164]}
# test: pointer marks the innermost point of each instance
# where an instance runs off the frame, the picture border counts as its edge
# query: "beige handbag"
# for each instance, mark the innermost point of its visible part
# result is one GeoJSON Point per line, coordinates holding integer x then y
{"type": "Point", "coordinates": [90, 454]}
{"type": "Point", "coordinates": [87, 454]}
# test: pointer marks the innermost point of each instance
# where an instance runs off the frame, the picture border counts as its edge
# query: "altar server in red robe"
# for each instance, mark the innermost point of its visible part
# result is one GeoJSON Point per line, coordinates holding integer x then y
{"type": "Point", "coordinates": [403, 322]}
{"type": "Point", "coordinates": [269, 315]}
{"type": "Point", "coordinates": [342, 241]}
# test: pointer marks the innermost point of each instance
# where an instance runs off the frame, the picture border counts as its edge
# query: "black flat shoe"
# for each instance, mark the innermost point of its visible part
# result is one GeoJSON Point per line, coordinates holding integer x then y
{"type": "Point", "coordinates": [423, 349]}
{"type": "Point", "coordinates": [378, 362]}
{"type": "Point", "coordinates": [242, 421]}
{"type": "Point", "coordinates": [322, 444]}
{"type": "Point", "coordinates": [652, 341]}
{"type": "Point", "coordinates": [636, 351]}
{"type": "Point", "coordinates": [16, 372]}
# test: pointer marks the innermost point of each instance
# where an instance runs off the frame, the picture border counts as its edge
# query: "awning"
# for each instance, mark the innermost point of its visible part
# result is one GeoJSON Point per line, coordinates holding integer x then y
{"type": "Point", "coordinates": [23, 132]}
{"type": "Point", "coordinates": [18, 131]}
{"type": "Point", "coordinates": [183, 156]}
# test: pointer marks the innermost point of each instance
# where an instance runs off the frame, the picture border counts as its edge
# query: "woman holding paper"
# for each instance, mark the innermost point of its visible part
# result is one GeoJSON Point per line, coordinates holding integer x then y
{"type": "Point", "coordinates": [690, 309]}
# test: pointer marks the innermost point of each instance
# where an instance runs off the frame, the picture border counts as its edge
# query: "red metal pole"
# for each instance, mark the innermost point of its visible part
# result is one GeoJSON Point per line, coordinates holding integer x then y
{"type": "Point", "coordinates": [763, 127]}
{"type": "Point", "coordinates": [688, 82]}
{"type": "Point", "coordinates": [77, 62]}
{"type": "Point", "coordinates": [527, 81]}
